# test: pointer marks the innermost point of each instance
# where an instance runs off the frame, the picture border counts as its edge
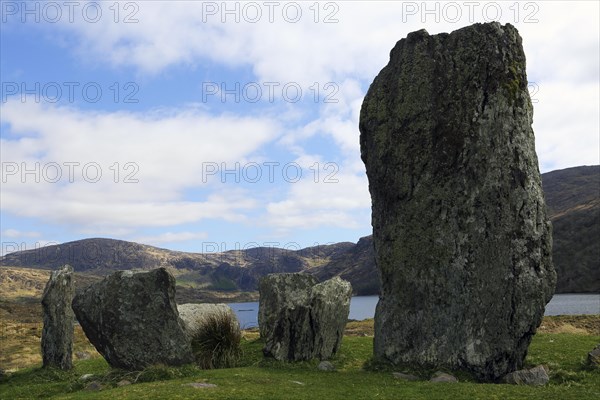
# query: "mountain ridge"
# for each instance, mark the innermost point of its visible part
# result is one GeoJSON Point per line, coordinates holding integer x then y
{"type": "Point", "coordinates": [572, 196]}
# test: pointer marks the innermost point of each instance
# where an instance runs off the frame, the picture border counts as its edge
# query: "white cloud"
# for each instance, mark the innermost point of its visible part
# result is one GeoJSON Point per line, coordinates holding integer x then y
{"type": "Point", "coordinates": [14, 233]}
{"type": "Point", "coordinates": [169, 147]}
{"type": "Point", "coordinates": [560, 40]}
{"type": "Point", "coordinates": [567, 130]}
{"type": "Point", "coordinates": [333, 199]}
{"type": "Point", "coordinates": [167, 155]}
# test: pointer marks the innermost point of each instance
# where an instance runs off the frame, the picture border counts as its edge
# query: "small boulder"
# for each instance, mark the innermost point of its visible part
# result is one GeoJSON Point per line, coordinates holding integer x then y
{"type": "Point", "coordinates": [593, 357]}
{"type": "Point", "coordinates": [537, 376]}
{"type": "Point", "coordinates": [443, 377]}
{"type": "Point", "coordinates": [132, 320]}
{"type": "Point", "coordinates": [300, 319]}
{"type": "Point", "coordinates": [57, 334]}
{"type": "Point", "coordinates": [325, 366]}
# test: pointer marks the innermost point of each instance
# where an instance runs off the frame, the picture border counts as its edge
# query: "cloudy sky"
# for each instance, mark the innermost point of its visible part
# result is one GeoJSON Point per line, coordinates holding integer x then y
{"type": "Point", "coordinates": [203, 126]}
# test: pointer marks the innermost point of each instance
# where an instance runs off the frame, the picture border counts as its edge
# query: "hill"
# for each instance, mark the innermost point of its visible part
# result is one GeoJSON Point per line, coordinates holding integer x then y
{"type": "Point", "coordinates": [572, 195]}
{"type": "Point", "coordinates": [222, 276]}
{"type": "Point", "coordinates": [573, 199]}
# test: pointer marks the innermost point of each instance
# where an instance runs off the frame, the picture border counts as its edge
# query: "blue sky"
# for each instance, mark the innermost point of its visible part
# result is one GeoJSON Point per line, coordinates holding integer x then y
{"type": "Point", "coordinates": [197, 126]}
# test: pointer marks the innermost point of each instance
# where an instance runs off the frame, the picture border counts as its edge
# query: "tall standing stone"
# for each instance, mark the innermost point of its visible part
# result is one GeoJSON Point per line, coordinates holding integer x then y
{"type": "Point", "coordinates": [460, 230]}
{"type": "Point", "coordinates": [57, 334]}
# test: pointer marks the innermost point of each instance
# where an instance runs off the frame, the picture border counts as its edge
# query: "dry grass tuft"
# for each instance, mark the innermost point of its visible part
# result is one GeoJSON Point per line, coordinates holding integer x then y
{"type": "Point", "coordinates": [217, 340]}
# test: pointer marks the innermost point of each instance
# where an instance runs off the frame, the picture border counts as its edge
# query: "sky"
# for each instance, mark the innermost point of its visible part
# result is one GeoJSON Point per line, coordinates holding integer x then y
{"type": "Point", "coordinates": [210, 126]}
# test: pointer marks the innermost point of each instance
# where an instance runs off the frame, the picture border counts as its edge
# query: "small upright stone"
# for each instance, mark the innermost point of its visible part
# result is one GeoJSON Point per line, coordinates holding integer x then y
{"type": "Point", "coordinates": [329, 309]}
{"type": "Point", "coordinates": [57, 334]}
{"type": "Point", "coordinates": [280, 298]}
{"type": "Point", "coordinates": [300, 319]}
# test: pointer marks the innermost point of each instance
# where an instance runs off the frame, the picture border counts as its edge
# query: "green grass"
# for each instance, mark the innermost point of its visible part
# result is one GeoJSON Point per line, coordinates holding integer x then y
{"type": "Point", "coordinates": [258, 378]}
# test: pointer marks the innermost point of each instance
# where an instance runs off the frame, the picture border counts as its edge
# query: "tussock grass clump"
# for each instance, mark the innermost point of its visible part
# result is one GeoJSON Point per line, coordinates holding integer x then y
{"type": "Point", "coordinates": [216, 341]}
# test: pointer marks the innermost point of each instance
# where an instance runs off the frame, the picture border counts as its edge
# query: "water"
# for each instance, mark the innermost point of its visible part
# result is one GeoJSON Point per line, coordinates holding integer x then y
{"type": "Point", "coordinates": [363, 307]}
{"type": "Point", "coordinates": [573, 304]}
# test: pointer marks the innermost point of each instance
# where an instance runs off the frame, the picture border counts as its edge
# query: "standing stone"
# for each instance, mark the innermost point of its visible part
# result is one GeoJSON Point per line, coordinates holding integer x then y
{"type": "Point", "coordinates": [57, 334]}
{"type": "Point", "coordinates": [329, 309]}
{"type": "Point", "coordinates": [132, 319]}
{"type": "Point", "coordinates": [284, 315]}
{"type": "Point", "coordinates": [300, 319]}
{"type": "Point", "coordinates": [461, 235]}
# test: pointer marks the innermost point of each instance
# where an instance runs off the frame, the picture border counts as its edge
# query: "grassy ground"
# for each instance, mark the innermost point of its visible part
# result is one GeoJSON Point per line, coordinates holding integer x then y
{"type": "Point", "coordinates": [257, 378]}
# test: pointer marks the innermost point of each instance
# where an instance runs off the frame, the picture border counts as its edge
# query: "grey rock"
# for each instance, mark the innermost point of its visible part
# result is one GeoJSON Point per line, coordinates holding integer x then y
{"type": "Point", "coordinates": [405, 377]}
{"type": "Point", "coordinates": [537, 376]}
{"type": "Point", "coordinates": [195, 315]}
{"type": "Point", "coordinates": [279, 293]}
{"type": "Point", "coordinates": [132, 320]}
{"type": "Point", "coordinates": [593, 357]}
{"type": "Point", "coordinates": [123, 382]}
{"type": "Point", "coordinates": [329, 309]}
{"type": "Point", "coordinates": [57, 334]}
{"type": "Point", "coordinates": [300, 319]}
{"type": "Point", "coordinates": [461, 235]}
{"type": "Point", "coordinates": [325, 366]}
{"type": "Point", "coordinates": [443, 377]}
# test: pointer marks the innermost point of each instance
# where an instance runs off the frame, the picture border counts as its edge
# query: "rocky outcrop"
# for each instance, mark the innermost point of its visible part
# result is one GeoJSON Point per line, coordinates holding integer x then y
{"type": "Point", "coordinates": [195, 315]}
{"type": "Point", "coordinates": [301, 319]}
{"type": "Point", "coordinates": [57, 334]}
{"type": "Point", "coordinates": [132, 320]}
{"type": "Point", "coordinates": [460, 230]}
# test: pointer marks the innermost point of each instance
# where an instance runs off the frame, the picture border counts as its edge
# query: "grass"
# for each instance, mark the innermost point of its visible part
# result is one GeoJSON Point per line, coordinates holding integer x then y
{"type": "Point", "coordinates": [259, 378]}
{"type": "Point", "coordinates": [216, 341]}
{"type": "Point", "coordinates": [20, 344]}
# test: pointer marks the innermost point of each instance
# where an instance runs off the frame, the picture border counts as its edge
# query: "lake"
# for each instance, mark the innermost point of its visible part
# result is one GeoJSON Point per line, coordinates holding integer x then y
{"type": "Point", "coordinates": [363, 307]}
